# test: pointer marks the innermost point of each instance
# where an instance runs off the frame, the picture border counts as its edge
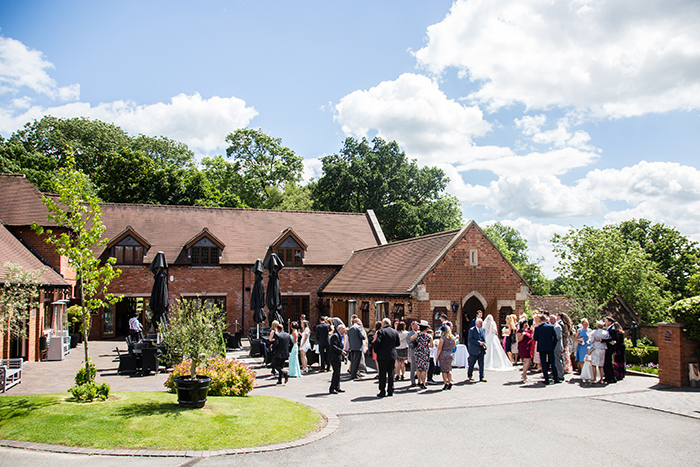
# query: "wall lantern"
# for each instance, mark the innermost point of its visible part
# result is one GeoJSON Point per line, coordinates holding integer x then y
{"type": "Point", "coordinates": [455, 307]}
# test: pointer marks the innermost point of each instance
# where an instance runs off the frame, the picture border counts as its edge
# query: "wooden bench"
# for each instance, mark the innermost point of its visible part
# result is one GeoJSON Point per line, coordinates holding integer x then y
{"type": "Point", "coordinates": [10, 372]}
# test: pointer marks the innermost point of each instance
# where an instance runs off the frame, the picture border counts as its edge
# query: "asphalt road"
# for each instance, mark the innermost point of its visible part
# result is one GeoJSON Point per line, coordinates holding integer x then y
{"type": "Point", "coordinates": [573, 431]}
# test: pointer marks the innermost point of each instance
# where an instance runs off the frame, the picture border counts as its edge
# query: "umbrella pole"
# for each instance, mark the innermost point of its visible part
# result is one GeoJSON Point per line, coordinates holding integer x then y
{"type": "Point", "coordinates": [258, 330]}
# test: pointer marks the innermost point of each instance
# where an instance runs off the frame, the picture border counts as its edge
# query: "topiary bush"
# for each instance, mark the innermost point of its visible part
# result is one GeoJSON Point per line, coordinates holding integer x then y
{"type": "Point", "coordinates": [229, 377]}
{"type": "Point", "coordinates": [687, 311]}
{"type": "Point", "coordinates": [85, 391]}
{"type": "Point", "coordinates": [642, 354]}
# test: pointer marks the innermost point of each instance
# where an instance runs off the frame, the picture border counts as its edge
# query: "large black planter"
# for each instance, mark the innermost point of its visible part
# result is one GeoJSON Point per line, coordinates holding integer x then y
{"type": "Point", "coordinates": [192, 393]}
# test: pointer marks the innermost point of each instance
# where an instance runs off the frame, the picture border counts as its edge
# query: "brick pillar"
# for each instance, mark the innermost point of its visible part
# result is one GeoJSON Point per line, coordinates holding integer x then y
{"type": "Point", "coordinates": [676, 350]}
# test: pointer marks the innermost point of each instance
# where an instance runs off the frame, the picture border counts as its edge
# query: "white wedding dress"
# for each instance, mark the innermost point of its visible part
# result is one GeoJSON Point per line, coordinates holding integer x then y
{"type": "Point", "coordinates": [495, 357]}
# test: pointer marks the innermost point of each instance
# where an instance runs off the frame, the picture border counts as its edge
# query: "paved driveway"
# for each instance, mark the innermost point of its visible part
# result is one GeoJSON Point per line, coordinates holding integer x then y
{"type": "Point", "coordinates": [633, 422]}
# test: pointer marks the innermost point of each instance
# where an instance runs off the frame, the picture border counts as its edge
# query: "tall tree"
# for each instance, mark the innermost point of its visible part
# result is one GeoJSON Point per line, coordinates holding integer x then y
{"type": "Point", "coordinates": [600, 264]}
{"type": "Point", "coordinates": [514, 247]}
{"type": "Point", "coordinates": [265, 166]}
{"type": "Point", "coordinates": [77, 212]}
{"type": "Point", "coordinates": [675, 256]}
{"type": "Point", "coordinates": [409, 201]}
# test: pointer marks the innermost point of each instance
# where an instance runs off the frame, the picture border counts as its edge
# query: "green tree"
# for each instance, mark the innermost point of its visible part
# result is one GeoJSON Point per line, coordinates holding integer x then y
{"type": "Point", "coordinates": [19, 293]}
{"type": "Point", "coordinates": [675, 256]}
{"type": "Point", "coordinates": [510, 242]}
{"type": "Point", "coordinates": [122, 168]}
{"type": "Point", "coordinates": [407, 200]}
{"type": "Point", "coordinates": [600, 264]}
{"type": "Point", "coordinates": [78, 215]}
{"type": "Point", "coordinates": [220, 182]}
{"type": "Point", "coordinates": [265, 166]}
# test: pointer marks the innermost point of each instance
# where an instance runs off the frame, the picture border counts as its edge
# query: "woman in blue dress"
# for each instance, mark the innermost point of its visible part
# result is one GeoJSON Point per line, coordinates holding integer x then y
{"type": "Point", "coordinates": [294, 368]}
{"type": "Point", "coordinates": [582, 339]}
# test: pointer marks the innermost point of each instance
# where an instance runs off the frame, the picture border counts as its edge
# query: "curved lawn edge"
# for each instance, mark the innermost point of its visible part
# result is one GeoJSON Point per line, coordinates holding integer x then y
{"type": "Point", "coordinates": [328, 425]}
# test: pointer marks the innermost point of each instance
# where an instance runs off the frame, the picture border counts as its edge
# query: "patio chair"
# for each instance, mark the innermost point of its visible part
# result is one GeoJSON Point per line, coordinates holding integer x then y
{"type": "Point", "coordinates": [149, 360]}
{"type": "Point", "coordinates": [128, 364]}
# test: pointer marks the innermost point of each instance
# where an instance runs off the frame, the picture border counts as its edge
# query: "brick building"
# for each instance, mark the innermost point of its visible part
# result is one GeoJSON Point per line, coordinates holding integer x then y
{"type": "Point", "coordinates": [210, 252]}
{"type": "Point", "coordinates": [457, 272]}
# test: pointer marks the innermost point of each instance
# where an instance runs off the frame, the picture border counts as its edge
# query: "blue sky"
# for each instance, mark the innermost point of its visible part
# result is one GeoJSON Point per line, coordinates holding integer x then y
{"type": "Point", "coordinates": [545, 115]}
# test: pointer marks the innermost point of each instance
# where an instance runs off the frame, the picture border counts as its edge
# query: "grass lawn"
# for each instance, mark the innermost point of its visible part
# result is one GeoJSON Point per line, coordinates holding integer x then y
{"type": "Point", "coordinates": [153, 420]}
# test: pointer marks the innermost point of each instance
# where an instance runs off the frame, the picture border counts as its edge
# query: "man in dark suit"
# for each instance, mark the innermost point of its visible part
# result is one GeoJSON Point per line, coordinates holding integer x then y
{"type": "Point", "coordinates": [608, 368]}
{"type": "Point", "coordinates": [476, 344]}
{"type": "Point", "coordinates": [322, 330]}
{"type": "Point", "coordinates": [546, 338]}
{"type": "Point", "coordinates": [337, 343]}
{"type": "Point", "coordinates": [281, 346]}
{"type": "Point", "coordinates": [385, 347]}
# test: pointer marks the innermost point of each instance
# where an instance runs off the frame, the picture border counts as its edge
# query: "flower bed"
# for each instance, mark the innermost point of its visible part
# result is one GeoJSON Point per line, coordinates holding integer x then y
{"type": "Point", "coordinates": [229, 377]}
{"type": "Point", "coordinates": [651, 368]}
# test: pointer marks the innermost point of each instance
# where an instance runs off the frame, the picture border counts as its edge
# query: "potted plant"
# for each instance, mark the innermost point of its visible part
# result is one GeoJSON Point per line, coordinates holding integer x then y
{"type": "Point", "coordinates": [75, 324]}
{"type": "Point", "coordinates": [195, 332]}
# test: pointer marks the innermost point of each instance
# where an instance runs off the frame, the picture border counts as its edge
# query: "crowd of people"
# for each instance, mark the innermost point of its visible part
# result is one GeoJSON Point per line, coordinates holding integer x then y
{"type": "Point", "coordinates": [549, 344]}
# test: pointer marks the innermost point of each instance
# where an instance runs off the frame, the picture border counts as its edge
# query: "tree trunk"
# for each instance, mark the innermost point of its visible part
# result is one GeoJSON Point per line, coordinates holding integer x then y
{"type": "Point", "coordinates": [86, 315]}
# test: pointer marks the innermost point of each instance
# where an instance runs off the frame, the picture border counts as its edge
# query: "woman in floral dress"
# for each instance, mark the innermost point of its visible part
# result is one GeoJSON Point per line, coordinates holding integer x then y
{"type": "Point", "coordinates": [423, 343]}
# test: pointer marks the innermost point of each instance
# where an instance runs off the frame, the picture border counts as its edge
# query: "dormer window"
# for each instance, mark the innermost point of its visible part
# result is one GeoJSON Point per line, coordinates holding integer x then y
{"type": "Point", "coordinates": [129, 247]}
{"type": "Point", "coordinates": [290, 248]}
{"type": "Point", "coordinates": [204, 249]}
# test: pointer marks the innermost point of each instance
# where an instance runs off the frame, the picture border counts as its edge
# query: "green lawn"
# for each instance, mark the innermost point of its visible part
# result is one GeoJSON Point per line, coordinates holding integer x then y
{"type": "Point", "coordinates": [153, 420]}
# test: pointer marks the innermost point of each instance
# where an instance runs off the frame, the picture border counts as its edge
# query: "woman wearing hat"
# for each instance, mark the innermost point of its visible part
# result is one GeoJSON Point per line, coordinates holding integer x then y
{"type": "Point", "coordinates": [423, 343]}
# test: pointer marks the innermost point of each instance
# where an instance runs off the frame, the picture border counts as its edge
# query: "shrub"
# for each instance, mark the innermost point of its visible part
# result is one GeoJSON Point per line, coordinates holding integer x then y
{"type": "Point", "coordinates": [645, 341]}
{"type": "Point", "coordinates": [642, 354]}
{"type": "Point", "coordinates": [229, 377]}
{"type": "Point", "coordinates": [80, 375]}
{"type": "Point", "coordinates": [688, 312]}
{"type": "Point", "coordinates": [90, 391]}
{"type": "Point", "coordinates": [652, 368]}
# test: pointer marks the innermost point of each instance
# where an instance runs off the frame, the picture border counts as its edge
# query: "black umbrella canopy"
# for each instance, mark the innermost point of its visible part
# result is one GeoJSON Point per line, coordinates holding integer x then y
{"type": "Point", "coordinates": [274, 296]}
{"type": "Point", "coordinates": [257, 296]}
{"type": "Point", "coordinates": [159, 293]}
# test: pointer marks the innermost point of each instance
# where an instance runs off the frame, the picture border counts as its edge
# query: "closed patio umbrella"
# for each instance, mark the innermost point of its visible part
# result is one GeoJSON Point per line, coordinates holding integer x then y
{"type": "Point", "coordinates": [274, 296]}
{"type": "Point", "coordinates": [257, 296]}
{"type": "Point", "coordinates": [159, 293]}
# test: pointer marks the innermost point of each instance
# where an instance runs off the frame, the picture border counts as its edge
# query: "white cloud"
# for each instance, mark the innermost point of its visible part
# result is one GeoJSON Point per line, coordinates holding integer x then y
{"type": "Point", "coordinates": [22, 67]}
{"type": "Point", "coordinates": [415, 112]}
{"type": "Point", "coordinates": [559, 137]}
{"type": "Point", "coordinates": [610, 58]}
{"type": "Point", "coordinates": [555, 162]}
{"type": "Point", "coordinates": [200, 123]}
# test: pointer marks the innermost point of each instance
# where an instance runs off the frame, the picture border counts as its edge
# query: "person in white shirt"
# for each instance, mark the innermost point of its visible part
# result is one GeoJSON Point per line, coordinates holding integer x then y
{"type": "Point", "coordinates": [135, 328]}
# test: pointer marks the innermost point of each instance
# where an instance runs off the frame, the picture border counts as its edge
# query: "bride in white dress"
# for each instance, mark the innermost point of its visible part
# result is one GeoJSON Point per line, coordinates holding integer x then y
{"type": "Point", "coordinates": [495, 358]}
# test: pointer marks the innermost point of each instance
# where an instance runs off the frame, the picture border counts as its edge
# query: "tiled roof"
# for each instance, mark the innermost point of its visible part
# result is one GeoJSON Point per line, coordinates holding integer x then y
{"type": "Point", "coordinates": [551, 303]}
{"type": "Point", "coordinates": [21, 202]}
{"type": "Point", "coordinates": [247, 233]}
{"type": "Point", "coordinates": [12, 250]}
{"type": "Point", "coordinates": [390, 269]}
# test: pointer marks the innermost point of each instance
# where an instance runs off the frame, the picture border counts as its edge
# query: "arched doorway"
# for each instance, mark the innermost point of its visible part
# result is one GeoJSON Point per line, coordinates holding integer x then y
{"type": "Point", "coordinates": [469, 310]}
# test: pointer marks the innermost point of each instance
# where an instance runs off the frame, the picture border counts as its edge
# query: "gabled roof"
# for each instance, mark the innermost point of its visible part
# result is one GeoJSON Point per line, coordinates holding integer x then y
{"type": "Point", "coordinates": [391, 269]}
{"type": "Point", "coordinates": [21, 202]}
{"type": "Point", "coordinates": [12, 250]}
{"type": "Point", "coordinates": [129, 231]}
{"type": "Point", "coordinates": [398, 268]}
{"type": "Point", "coordinates": [205, 233]}
{"type": "Point", "coordinates": [247, 233]}
{"type": "Point", "coordinates": [288, 232]}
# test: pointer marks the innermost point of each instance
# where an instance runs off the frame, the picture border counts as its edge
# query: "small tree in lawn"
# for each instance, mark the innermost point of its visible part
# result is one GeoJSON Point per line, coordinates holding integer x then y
{"type": "Point", "coordinates": [20, 291]}
{"type": "Point", "coordinates": [78, 211]}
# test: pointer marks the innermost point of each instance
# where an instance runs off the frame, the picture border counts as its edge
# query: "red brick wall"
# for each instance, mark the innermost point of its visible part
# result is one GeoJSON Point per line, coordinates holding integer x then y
{"type": "Point", "coordinates": [45, 250]}
{"type": "Point", "coordinates": [453, 278]}
{"type": "Point", "coordinates": [225, 280]}
{"type": "Point", "coordinates": [676, 350]}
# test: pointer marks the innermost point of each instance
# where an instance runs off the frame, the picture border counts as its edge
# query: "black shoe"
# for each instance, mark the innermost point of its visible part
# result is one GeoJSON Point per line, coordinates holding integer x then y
{"type": "Point", "coordinates": [332, 391]}
{"type": "Point", "coordinates": [423, 386]}
{"type": "Point", "coordinates": [278, 382]}
{"type": "Point", "coordinates": [449, 386]}
{"type": "Point", "coordinates": [381, 394]}
{"type": "Point", "coordinates": [340, 390]}
{"type": "Point", "coordinates": [389, 394]}
{"type": "Point", "coordinates": [286, 379]}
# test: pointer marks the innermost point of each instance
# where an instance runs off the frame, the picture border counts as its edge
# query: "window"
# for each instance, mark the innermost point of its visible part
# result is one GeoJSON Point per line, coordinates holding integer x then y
{"type": "Point", "coordinates": [293, 308]}
{"type": "Point", "coordinates": [397, 311]}
{"type": "Point", "coordinates": [364, 310]}
{"type": "Point", "coordinates": [128, 254]}
{"type": "Point", "coordinates": [381, 310]}
{"type": "Point", "coordinates": [204, 255]}
{"type": "Point", "coordinates": [208, 303]}
{"type": "Point", "coordinates": [48, 311]}
{"type": "Point", "coordinates": [474, 257]}
{"type": "Point", "coordinates": [291, 257]}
